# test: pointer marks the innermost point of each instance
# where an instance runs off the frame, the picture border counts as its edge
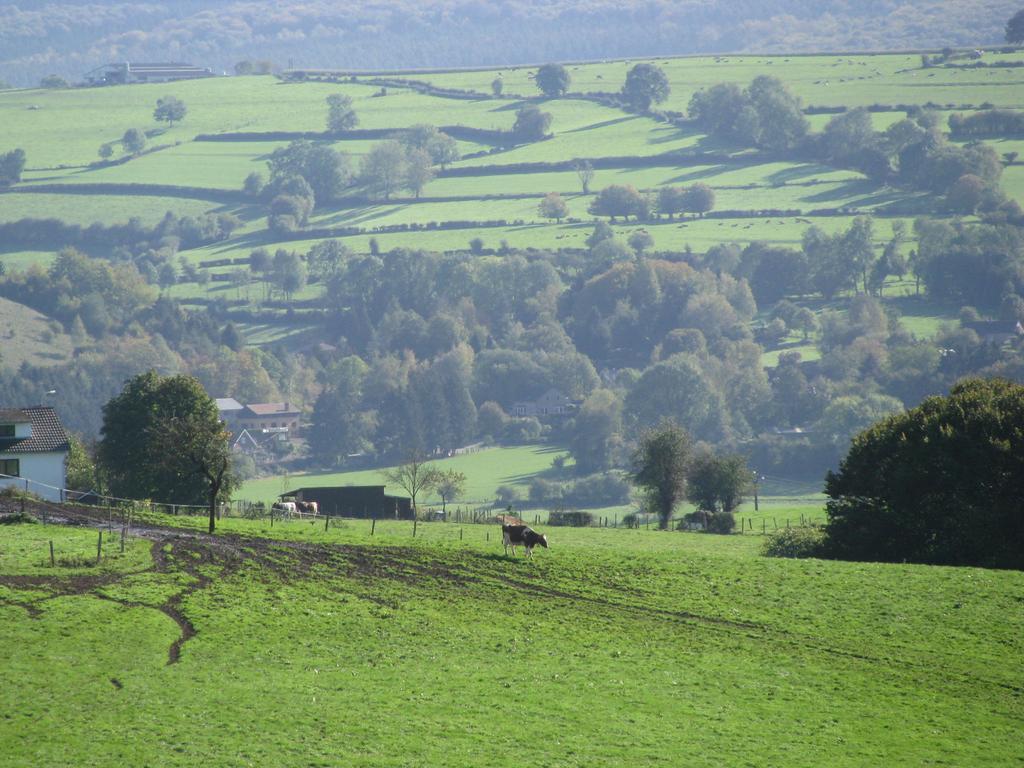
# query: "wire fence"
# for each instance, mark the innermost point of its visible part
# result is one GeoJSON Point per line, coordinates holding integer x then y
{"type": "Point", "coordinates": [124, 510]}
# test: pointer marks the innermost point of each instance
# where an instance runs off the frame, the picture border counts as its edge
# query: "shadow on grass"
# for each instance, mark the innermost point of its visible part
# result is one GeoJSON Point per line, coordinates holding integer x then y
{"type": "Point", "coordinates": [603, 124]}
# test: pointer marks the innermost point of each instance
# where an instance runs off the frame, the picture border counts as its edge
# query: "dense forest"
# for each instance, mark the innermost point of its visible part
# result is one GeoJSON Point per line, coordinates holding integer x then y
{"type": "Point", "coordinates": [69, 38]}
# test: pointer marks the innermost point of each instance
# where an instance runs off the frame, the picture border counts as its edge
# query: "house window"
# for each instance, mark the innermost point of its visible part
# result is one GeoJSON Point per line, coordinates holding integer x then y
{"type": "Point", "coordinates": [6, 430]}
{"type": "Point", "coordinates": [10, 467]}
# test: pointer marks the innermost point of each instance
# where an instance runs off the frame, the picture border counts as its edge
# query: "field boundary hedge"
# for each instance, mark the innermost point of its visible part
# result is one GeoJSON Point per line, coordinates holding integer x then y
{"type": "Point", "coordinates": [464, 132]}
{"type": "Point", "coordinates": [129, 188]}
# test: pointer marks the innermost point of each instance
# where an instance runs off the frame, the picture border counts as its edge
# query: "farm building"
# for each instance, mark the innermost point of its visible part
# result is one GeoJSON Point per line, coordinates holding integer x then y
{"type": "Point", "coordinates": [355, 501]}
{"type": "Point", "coordinates": [33, 451]}
{"type": "Point", "coordinates": [551, 403]}
{"type": "Point", "coordinates": [127, 72]}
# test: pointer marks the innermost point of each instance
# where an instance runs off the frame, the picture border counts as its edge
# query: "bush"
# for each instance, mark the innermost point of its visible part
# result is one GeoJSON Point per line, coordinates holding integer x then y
{"type": "Point", "coordinates": [721, 522]}
{"type": "Point", "coordinates": [795, 542]}
{"type": "Point", "coordinates": [573, 518]}
{"type": "Point", "coordinates": [506, 495]}
{"type": "Point", "coordinates": [17, 518]}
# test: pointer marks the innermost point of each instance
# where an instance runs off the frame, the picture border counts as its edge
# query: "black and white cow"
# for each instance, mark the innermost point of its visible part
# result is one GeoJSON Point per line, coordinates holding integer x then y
{"type": "Point", "coordinates": [522, 535]}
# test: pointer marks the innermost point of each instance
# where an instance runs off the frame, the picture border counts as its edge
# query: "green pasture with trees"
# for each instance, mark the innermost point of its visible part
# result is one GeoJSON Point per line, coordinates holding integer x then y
{"type": "Point", "coordinates": [409, 264]}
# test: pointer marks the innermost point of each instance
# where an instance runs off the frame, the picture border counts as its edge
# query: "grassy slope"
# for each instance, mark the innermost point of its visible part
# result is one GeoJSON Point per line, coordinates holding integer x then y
{"type": "Point", "coordinates": [612, 648]}
{"type": "Point", "coordinates": [26, 336]}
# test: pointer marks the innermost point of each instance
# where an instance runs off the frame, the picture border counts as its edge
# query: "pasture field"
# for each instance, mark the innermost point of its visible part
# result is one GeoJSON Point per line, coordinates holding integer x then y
{"type": "Point", "coordinates": [295, 646]}
{"type": "Point", "coordinates": [843, 80]}
{"type": "Point", "coordinates": [485, 470]}
{"type": "Point", "coordinates": [87, 209]}
{"type": "Point", "coordinates": [61, 132]}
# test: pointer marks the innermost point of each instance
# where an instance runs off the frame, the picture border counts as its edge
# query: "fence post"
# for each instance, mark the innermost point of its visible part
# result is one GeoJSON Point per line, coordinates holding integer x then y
{"type": "Point", "coordinates": [122, 540]}
{"type": "Point", "coordinates": [460, 534]}
{"type": "Point", "coordinates": [99, 547]}
{"type": "Point", "coordinates": [53, 563]}
{"type": "Point", "coordinates": [764, 525]}
{"type": "Point", "coordinates": [373, 526]}
{"type": "Point", "coordinates": [327, 521]}
{"type": "Point", "coordinates": [414, 521]}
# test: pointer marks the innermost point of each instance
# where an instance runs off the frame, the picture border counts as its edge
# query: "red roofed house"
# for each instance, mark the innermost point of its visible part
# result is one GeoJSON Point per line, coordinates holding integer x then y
{"type": "Point", "coordinates": [33, 448]}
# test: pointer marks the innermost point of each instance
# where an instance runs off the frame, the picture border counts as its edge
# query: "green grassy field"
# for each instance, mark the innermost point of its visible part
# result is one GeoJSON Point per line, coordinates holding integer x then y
{"type": "Point", "coordinates": [485, 470]}
{"type": "Point", "coordinates": [610, 648]}
{"type": "Point", "coordinates": [848, 80]}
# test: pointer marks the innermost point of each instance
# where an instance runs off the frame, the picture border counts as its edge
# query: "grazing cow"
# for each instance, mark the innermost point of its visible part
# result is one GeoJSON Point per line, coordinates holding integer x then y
{"type": "Point", "coordinates": [284, 507]}
{"type": "Point", "coordinates": [514, 535]}
{"type": "Point", "coordinates": [308, 507]}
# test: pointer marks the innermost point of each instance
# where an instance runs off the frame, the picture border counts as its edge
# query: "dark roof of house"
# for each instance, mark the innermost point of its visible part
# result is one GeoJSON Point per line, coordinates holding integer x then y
{"type": "Point", "coordinates": [272, 409]}
{"type": "Point", "coordinates": [13, 416]}
{"type": "Point", "coordinates": [48, 433]}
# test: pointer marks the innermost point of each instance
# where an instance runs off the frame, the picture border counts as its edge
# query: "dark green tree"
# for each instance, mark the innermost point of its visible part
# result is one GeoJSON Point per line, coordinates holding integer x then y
{"type": "Point", "coordinates": [162, 439]}
{"type": "Point", "coordinates": [646, 84]}
{"type": "Point", "coordinates": [11, 166]}
{"type": "Point", "coordinates": [660, 466]}
{"type": "Point", "coordinates": [1015, 28]}
{"type": "Point", "coordinates": [716, 483]}
{"type": "Point", "coordinates": [596, 432]}
{"type": "Point", "coordinates": [324, 168]}
{"type": "Point", "coordinates": [699, 199]}
{"type": "Point", "coordinates": [133, 141]}
{"type": "Point", "coordinates": [619, 200]}
{"type": "Point", "coordinates": [531, 124]}
{"type": "Point", "coordinates": [552, 80]}
{"type": "Point", "coordinates": [169, 109]}
{"type": "Point", "coordinates": [941, 483]}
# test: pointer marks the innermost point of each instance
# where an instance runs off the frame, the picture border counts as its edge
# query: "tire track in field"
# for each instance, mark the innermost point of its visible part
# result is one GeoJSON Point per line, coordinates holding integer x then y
{"type": "Point", "coordinates": [752, 630]}
{"type": "Point", "coordinates": [364, 564]}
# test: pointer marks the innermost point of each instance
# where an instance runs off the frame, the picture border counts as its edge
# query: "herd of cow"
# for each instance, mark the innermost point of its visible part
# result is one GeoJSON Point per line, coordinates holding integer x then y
{"type": "Point", "coordinates": [514, 533]}
{"type": "Point", "coordinates": [295, 507]}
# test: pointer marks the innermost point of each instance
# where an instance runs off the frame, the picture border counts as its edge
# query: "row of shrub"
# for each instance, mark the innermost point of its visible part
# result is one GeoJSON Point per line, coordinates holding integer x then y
{"type": "Point", "coordinates": [186, 232]}
{"type": "Point", "coordinates": [131, 188]}
{"type": "Point", "coordinates": [665, 159]}
{"type": "Point", "coordinates": [987, 123]}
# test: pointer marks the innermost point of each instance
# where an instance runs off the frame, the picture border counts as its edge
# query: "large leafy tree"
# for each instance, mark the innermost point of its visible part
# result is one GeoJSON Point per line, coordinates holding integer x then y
{"type": "Point", "coordinates": [660, 466]}
{"type": "Point", "coordinates": [341, 115]}
{"type": "Point", "coordinates": [717, 483]}
{"type": "Point", "coordinates": [552, 79]}
{"type": "Point", "coordinates": [169, 109]}
{"type": "Point", "coordinates": [11, 165]}
{"type": "Point", "coordinates": [1015, 28]}
{"type": "Point", "coordinates": [162, 439]}
{"type": "Point", "coordinates": [531, 124]}
{"type": "Point", "coordinates": [646, 84]}
{"type": "Point", "coordinates": [941, 483]}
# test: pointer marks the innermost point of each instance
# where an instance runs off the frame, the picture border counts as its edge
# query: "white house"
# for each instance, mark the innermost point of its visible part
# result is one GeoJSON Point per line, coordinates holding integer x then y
{"type": "Point", "coordinates": [33, 450]}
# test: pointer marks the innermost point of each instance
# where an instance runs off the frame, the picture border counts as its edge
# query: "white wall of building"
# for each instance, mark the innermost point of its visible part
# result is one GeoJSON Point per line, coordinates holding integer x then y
{"type": "Point", "coordinates": [41, 470]}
